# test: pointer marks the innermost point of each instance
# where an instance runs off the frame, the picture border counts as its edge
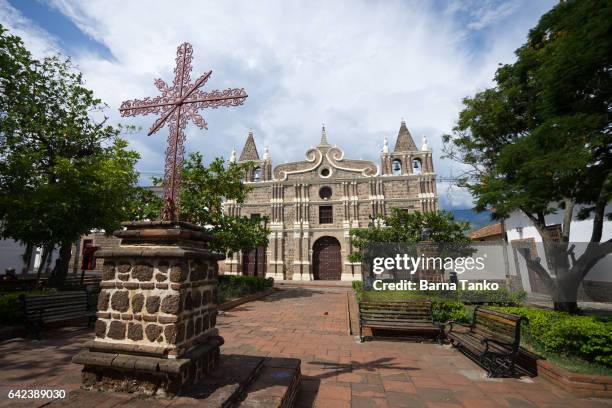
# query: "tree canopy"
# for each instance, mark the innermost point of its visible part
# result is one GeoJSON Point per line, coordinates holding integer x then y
{"type": "Point", "coordinates": [404, 227]}
{"type": "Point", "coordinates": [62, 173]}
{"type": "Point", "coordinates": [204, 189]}
{"type": "Point", "coordinates": [539, 141]}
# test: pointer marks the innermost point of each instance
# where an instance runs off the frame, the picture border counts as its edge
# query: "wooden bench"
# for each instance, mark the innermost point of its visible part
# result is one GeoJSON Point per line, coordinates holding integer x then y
{"type": "Point", "coordinates": [413, 317]}
{"type": "Point", "coordinates": [85, 281]}
{"type": "Point", "coordinates": [62, 306]}
{"type": "Point", "coordinates": [493, 340]}
{"type": "Point", "coordinates": [77, 281]}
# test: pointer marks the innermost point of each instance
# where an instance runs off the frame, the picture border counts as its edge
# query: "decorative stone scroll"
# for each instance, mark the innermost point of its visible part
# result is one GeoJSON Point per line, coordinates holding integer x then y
{"type": "Point", "coordinates": [157, 311]}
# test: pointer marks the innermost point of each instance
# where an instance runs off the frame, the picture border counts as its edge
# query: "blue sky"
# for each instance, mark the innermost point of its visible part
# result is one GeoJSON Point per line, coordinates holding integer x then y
{"type": "Point", "coordinates": [357, 66]}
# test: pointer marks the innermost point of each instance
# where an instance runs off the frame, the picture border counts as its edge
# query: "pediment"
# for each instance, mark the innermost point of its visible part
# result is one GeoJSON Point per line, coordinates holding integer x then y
{"type": "Point", "coordinates": [318, 158]}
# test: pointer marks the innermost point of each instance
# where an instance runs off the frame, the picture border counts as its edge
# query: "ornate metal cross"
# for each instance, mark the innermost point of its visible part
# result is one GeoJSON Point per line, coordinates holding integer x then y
{"type": "Point", "coordinates": [175, 106]}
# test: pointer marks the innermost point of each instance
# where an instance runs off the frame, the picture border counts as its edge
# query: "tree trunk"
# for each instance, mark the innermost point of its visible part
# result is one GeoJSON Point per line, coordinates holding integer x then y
{"type": "Point", "coordinates": [64, 262]}
{"type": "Point", "coordinates": [27, 258]}
{"type": "Point", "coordinates": [565, 287]}
{"type": "Point", "coordinates": [565, 298]}
{"type": "Point", "coordinates": [46, 250]}
{"type": "Point", "coordinates": [568, 307]}
{"type": "Point", "coordinates": [600, 208]}
{"type": "Point", "coordinates": [568, 276]}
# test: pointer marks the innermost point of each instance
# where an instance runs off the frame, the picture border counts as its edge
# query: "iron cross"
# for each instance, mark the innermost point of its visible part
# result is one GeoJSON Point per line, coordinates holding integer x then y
{"type": "Point", "coordinates": [176, 105]}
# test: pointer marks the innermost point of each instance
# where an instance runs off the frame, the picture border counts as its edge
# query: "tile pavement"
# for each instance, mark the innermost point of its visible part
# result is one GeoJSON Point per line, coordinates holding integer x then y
{"type": "Point", "coordinates": [337, 370]}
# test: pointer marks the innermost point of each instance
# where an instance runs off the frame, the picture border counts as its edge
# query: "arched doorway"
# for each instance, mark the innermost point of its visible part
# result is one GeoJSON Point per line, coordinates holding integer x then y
{"type": "Point", "coordinates": [326, 259]}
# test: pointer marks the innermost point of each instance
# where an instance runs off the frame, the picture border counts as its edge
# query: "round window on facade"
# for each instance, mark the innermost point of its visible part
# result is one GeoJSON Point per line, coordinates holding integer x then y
{"type": "Point", "coordinates": [325, 193]}
{"type": "Point", "coordinates": [325, 172]}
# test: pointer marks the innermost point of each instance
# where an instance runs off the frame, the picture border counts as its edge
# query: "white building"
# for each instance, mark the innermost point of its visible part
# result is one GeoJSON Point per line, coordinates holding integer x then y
{"type": "Point", "coordinates": [11, 257]}
{"type": "Point", "coordinates": [597, 284]}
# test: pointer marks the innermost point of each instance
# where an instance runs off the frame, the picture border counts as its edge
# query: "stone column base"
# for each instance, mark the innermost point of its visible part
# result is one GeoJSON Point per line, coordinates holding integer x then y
{"type": "Point", "coordinates": [350, 277]}
{"type": "Point", "coordinates": [111, 370]}
{"type": "Point", "coordinates": [302, 277]}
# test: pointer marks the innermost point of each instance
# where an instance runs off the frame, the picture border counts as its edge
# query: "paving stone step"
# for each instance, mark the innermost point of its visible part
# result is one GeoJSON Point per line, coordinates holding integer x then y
{"type": "Point", "coordinates": [240, 381]}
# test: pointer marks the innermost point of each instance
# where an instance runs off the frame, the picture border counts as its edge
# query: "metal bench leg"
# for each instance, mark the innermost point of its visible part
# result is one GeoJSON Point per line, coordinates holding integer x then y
{"type": "Point", "coordinates": [360, 333]}
{"type": "Point", "coordinates": [36, 330]}
{"type": "Point", "coordinates": [489, 367]}
{"type": "Point", "coordinates": [510, 369]}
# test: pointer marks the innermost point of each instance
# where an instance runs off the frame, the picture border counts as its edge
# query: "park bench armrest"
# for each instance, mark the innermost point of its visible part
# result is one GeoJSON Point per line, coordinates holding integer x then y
{"type": "Point", "coordinates": [450, 323]}
{"type": "Point", "coordinates": [487, 340]}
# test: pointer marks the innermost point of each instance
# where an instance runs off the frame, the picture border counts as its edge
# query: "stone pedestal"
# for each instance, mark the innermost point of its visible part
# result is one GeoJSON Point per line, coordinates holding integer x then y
{"type": "Point", "coordinates": [157, 311]}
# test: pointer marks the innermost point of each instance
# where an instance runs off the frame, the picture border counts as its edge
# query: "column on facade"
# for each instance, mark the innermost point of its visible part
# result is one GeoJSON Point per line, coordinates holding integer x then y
{"type": "Point", "coordinates": [427, 193]}
{"type": "Point", "coordinates": [385, 164]}
{"type": "Point", "coordinates": [306, 248]}
{"type": "Point", "coordinates": [275, 246]}
{"type": "Point", "coordinates": [351, 220]}
{"type": "Point", "coordinates": [377, 198]}
{"type": "Point", "coordinates": [301, 235]}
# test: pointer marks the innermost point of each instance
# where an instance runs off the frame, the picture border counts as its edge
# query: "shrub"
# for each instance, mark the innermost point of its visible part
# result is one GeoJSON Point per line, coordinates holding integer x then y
{"type": "Point", "coordinates": [233, 286]}
{"type": "Point", "coordinates": [500, 297]}
{"type": "Point", "coordinates": [585, 337]}
{"type": "Point", "coordinates": [445, 310]}
{"type": "Point", "coordinates": [11, 309]}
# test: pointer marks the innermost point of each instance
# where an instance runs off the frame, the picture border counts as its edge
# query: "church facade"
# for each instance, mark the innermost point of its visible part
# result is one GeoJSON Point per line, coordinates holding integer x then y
{"type": "Point", "coordinates": [312, 204]}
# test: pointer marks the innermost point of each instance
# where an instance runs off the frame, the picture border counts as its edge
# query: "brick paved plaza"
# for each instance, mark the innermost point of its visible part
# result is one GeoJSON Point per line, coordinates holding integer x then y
{"type": "Point", "coordinates": [310, 324]}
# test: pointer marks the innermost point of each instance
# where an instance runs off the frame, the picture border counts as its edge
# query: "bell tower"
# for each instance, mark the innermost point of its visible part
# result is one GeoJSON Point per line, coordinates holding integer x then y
{"type": "Point", "coordinates": [406, 158]}
{"type": "Point", "coordinates": [262, 169]}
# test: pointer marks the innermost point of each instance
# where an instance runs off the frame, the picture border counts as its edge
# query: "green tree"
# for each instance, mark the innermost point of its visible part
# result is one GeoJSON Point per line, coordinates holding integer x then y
{"type": "Point", "coordinates": [62, 173]}
{"type": "Point", "coordinates": [204, 189]}
{"type": "Point", "coordinates": [404, 227]}
{"type": "Point", "coordinates": [539, 142]}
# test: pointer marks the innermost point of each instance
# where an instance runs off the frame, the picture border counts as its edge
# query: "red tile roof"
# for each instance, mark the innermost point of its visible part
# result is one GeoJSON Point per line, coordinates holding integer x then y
{"type": "Point", "coordinates": [486, 231]}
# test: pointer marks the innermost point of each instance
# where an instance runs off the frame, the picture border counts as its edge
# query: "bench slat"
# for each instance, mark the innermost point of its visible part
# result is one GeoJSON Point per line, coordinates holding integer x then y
{"type": "Point", "coordinates": [407, 316]}
{"type": "Point", "coordinates": [57, 310]}
{"type": "Point", "coordinates": [57, 306]}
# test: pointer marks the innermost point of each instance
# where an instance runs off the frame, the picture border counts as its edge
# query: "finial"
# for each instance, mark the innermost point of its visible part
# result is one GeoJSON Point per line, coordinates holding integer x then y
{"type": "Point", "coordinates": [403, 121]}
{"type": "Point", "coordinates": [266, 155]}
{"type": "Point", "coordinates": [323, 136]}
{"type": "Point", "coordinates": [232, 158]}
{"type": "Point", "coordinates": [424, 145]}
{"type": "Point", "coordinates": [385, 146]}
{"type": "Point", "coordinates": [250, 132]}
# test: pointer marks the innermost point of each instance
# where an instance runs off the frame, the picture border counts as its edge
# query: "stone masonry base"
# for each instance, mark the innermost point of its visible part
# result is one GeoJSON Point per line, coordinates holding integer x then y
{"type": "Point", "coordinates": [118, 372]}
{"type": "Point", "coordinates": [240, 380]}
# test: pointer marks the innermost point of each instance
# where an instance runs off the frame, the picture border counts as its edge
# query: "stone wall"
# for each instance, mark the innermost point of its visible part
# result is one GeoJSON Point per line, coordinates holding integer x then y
{"type": "Point", "coordinates": [167, 303]}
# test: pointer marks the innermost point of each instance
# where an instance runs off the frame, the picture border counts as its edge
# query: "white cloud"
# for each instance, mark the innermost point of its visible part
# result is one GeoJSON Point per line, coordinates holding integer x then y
{"type": "Point", "coordinates": [358, 67]}
{"type": "Point", "coordinates": [36, 40]}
